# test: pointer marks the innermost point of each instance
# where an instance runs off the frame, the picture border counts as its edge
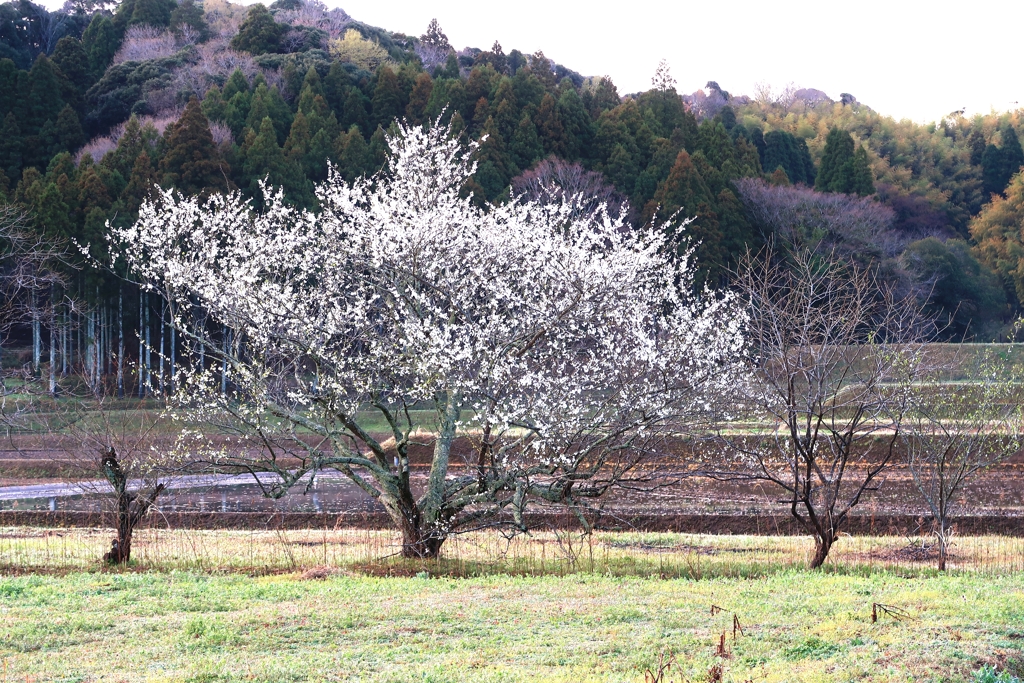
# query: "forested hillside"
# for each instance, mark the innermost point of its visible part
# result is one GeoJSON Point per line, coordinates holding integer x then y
{"type": "Point", "coordinates": [99, 103]}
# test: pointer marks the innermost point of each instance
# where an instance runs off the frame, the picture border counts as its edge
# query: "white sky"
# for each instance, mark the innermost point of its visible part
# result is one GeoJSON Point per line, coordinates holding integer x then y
{"type": "Point", "coordinates": [907, 59]}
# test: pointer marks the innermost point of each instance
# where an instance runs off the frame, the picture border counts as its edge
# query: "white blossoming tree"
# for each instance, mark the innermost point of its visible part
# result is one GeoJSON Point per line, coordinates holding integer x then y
{"type": "Point", "coordinates": [553, 349]}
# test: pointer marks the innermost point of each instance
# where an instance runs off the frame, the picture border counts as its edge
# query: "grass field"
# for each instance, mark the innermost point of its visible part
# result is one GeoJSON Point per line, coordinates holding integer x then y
{"type": "Point", "coordinates": [332, 605]}
{"type": "Point", "coordinates": [797, 626]}
{"type": "Point", "coordinates": [337, 605]}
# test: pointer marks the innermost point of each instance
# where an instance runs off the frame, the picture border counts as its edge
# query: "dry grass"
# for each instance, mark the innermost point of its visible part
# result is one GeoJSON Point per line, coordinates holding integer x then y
{"type": "Point", "coordinates": [31, 550]}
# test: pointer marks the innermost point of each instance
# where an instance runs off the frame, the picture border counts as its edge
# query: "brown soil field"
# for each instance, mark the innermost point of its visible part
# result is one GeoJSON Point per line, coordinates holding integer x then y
{"type": "Point", "coordinates": [993, 502]}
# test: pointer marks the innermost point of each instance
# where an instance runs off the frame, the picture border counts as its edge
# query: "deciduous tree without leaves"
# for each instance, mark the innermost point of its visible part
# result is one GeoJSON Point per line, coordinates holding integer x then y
{"type": "Point", "coordinates": [834, 354]}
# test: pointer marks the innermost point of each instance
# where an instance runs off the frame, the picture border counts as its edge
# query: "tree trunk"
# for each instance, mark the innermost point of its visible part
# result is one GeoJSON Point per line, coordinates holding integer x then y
{"type": "Point", "coordinates": [120, 343]}
{"type": "Point", "coordinates": [90, 353]}
{"type": "Point", "coordinates": [224, 364]}
{"type": "Point", "coordinates": [419, 545]}
{"type": "Point", "coordinates": [163, 333]}
{"type": "Point", "coordinates": [53, 343]}
{"type": "Point", "coordinates": [173, 350]}
{"type": "Point", "coordinates": [36, 337]}
{"type": "Point", "coordinates": [943, 544]}
{"type": "Point", "coordinates": [141, 347]}
{"type": "Point", "coordinates": [65, 332]}
{"type": "Point", "coordinates": [130, 508]}
{"type": "Point", "coordinates": [822, 545]}
{"type": "Point", "coordinates": [419, 541]}
{"type": "Point", "coordinates": [149, 374]}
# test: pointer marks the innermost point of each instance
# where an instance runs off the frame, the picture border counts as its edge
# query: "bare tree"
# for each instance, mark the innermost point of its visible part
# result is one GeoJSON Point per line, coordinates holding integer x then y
{"type": "Point", "coordinates": [662, 79]}
{"type": "Point", "coordinates": [766, 96]}
{"type": "Point", "coordinates": [122, 452]}
{"type": "Point", "coordinates": [554, 181]}
{"type": "Point", "coordinates": [957, 429]}
{"type": "Point", "coordinates": [142, 42]}
{"type": "Point", "coordinates": [315, 14]}
{"type": "Point", "coordinates": [131, 507]}
{"type": "Point", "coordinates": [834, 354]}
{"type": "Point", "coordinates": [802, 218]}
{"type": "Point", "coordinates": [433, 47]}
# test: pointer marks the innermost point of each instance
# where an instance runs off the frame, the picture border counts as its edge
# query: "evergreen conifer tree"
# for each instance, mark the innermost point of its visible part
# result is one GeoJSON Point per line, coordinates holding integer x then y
{"type": "Point", "coordinates": [10, 147]}
{"type": "Point", "coordinates": [68, 129]}
{"type": "Point", "coordinates": [748, 162]}
{"type": "Point", "coordinates": [129, 146]}
{"type": "Point", "coordinates": [993, 170]}
{"type": "Point", "coordinates": [713, 139]}
{"type": "Point", "coordinates": [493, 171]}
{"type": "Point", "coordinates": [258, 107]}
{"type": "Point", "coordinates": [236, 83]}
{"type": "Point", "coordinates": [140, 183]}
{"type": "Point", "coordinates": [8, 87]}
{"type": "Point", "coordinates": [280, 114]}
{"type": "Point", "coordinates": [976, 143]}
{"type": "Point", "coordinates": [189, 15]}
{"type": "Point", "coordinates": [351, 153]}
{"type": "Point", "coordinates": [684, 194]}
{"type": "Point", "coordinates": [100, 42]}
{"type": "Point", "coordinates": [549, 126]}
{"type": "Point", "coordinates": [41, 101]}
{"type": "Point", "coordinates": [835, 173]}
{"type": "Point", "coordinates": [259, 33]}
{"type": "Point", "coordinates": [153, 12]}
{"type": "Point", "coordinates": [526, 147]}
{"type": "Point", "coordinates": [419, 98]}
{"type": "Point", "coordinates": [779, 177]}
{"type": "Point", "coordinates": [236, 113]}
{"type": "Point", "coordinates": [91, 184]}
{"type": "Point", "coordinates": [214, 106]}
{"type": "Point", "coordinates": [810, 175]}
{"type": "Point", "coordinates": [264, 159]}
{"type": "Point", "coordinates": [435, 37]}
{"type": "Point", "coordinates": [447, 98]}
{"type": "Point", "coordinates": [70, 57]}
{"type": "Point", "coordinates": [320, 149]}
{"type": "Point", "coordinates": [312, 88]}
{"type": "Point", "coordinates": [1013, 155]}
{"type": "Point", "coordinates": [336, 85]}
{"type": "Point", "coordinates": [377, 151]}
{"type": "Point", "coordinates": [387, 98]}
{"type": "Point", "coordinates": [52, 214]}
{"type": "Point", "coordinates": [297, 145]}
{"type": "Point", "coordinates": [738, 234]}
{"type": "Point", "coordinates": [505, 109]}
{"type": "Point", "coordinates": [863, 181]}
{"type": "Point", "coordinates": [354, 113]}
{"type": "Point", "coordinates": [191, 163]}
{"type": "Point", "coordinates": [621, 168]}
{"type": "Point", "coordinates": [451, 68]}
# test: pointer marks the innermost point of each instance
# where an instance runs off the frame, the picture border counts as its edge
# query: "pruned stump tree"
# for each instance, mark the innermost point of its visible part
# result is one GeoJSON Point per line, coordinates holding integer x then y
{"type": "Point", "coordinates": [130, 508]}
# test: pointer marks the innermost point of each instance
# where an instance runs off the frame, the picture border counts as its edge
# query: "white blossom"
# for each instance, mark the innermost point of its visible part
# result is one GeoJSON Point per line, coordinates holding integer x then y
{"type": "Point", "coordinates": [543, 327]}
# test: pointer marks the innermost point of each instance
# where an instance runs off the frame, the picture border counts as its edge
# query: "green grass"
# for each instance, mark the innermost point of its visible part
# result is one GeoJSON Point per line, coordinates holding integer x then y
{"type": "Point", "coordinates": [797, 626]}
{"type": "Point", "coordinates": [241, 605]}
